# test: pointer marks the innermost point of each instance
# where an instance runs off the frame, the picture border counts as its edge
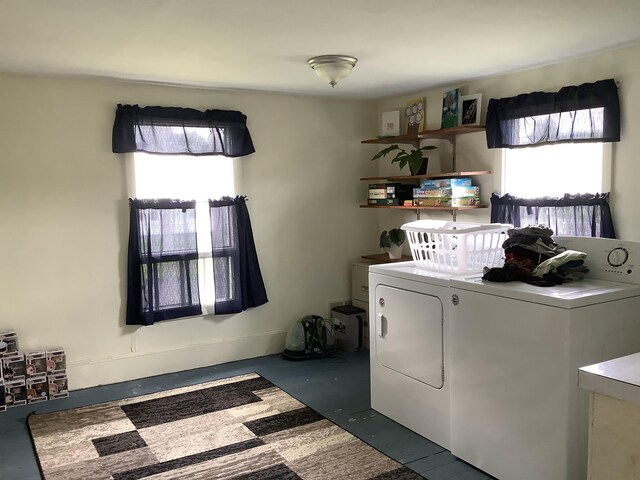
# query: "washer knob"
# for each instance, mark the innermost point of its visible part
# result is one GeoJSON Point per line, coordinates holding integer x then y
{"type": "Point", "coordinates": [618, 257]}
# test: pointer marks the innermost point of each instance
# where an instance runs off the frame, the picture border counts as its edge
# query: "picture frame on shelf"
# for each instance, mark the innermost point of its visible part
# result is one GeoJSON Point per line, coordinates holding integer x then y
{"type": "Point", "coordinates": [469, 109]}
{"type": "Point", "coordinates": [414, 114]}
{"type": "Point", "coordinates": [390, 124]}
{"type": "Point", "coordinates": [450, 108]}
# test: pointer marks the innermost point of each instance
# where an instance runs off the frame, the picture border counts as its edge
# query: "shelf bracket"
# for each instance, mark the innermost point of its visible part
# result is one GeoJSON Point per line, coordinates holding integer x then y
{"type": "Point", "coordinates": [453, 161]}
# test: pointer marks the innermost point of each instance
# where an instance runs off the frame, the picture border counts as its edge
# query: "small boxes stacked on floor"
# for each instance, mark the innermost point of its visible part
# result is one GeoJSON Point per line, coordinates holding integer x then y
{"type": "Point", "coordinates": [57, 373]}
{"type": "Point", "coordinates": [446, 192]}
{"type": "Point", "coordinates": [30, 377]}
{"type": "Point", "coordinates": [386, 194]}
{"type": "Point", "coordinates": [13, 373]}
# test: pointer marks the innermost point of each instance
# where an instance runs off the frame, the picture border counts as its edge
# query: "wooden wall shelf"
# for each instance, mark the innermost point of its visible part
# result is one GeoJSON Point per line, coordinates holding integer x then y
{"type": "Point", "coordinates": [384, 258]}
{"type": "Point", "coordinates": [408, 178]}
{"type": "Point", "coordinates": [415, 138]}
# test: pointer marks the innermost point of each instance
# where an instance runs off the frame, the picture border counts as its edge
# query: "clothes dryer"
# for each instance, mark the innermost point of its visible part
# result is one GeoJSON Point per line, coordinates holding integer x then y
{"type": "Point", "coordinates": [516, 409]}
{"type": "Point", "coordinates": [409, 348]}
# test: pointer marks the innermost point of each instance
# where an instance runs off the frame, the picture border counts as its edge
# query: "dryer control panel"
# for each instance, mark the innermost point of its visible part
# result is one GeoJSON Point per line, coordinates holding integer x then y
{"type": "Point", "coordinates": [607, 259]}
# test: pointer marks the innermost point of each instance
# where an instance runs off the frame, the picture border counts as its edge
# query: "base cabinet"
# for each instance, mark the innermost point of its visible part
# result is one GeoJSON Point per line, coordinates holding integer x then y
{"type": "Point", "coordinates": [614, 439]}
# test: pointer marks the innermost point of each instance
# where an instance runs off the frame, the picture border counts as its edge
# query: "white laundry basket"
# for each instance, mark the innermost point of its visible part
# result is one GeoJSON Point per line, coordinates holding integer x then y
{"type": "Point", "coordinates": [456, 247]}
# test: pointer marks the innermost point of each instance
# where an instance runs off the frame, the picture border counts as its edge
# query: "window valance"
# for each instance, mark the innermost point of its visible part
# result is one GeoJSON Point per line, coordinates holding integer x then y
{"type": "Point", "coordinates": [586, 113]}
{"type": "Point", "coordinates": [583, 215]}
{"type": "Point", "coordinates": [182, 131]}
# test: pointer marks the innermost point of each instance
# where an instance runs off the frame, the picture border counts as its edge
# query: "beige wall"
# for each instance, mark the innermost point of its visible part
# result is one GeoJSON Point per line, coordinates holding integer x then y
{"type": "Point", "coordinates": [63, 205]}
{"type": "Point", "coordinates": [623, 65]}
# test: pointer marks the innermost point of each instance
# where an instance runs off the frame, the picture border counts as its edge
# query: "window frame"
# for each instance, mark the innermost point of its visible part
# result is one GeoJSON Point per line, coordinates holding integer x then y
{"type": "Point", "coordinates": [204, 256]}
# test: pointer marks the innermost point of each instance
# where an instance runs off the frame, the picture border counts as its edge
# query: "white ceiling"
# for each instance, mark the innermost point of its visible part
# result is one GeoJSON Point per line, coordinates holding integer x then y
{"type": "Point", "coordinates": [402, 46]}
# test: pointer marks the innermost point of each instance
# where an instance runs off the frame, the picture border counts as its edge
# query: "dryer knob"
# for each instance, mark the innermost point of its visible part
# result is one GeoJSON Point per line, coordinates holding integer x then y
{"type": "Point", "coordinates": [455, 299]}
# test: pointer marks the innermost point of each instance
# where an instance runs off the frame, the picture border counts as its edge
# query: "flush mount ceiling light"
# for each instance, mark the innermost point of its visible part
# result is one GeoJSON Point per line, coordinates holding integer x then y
{"type": "Point", "coordinates": [332, 68]}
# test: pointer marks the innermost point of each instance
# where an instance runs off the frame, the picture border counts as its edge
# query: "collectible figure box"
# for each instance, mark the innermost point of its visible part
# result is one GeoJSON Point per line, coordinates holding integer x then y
{"type": "Point", "coordinates": [56, 360]}
{"type": "Point", "coordinates": [58, 386]}
{"type": "Point", "coordinates": [13, 366]}
{"type": "Point", "coordinates": [8, 342]}
{"type": "Point", "coordinates": [36, 363]}
{"type": "Point", "coordinates": [15, 393]}
{"type": "Point", "coordinates": [37, 389]}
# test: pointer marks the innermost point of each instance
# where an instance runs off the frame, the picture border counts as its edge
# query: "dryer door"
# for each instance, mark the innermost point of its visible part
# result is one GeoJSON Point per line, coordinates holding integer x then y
{"type": "Point", "coordinates": [409, 334]}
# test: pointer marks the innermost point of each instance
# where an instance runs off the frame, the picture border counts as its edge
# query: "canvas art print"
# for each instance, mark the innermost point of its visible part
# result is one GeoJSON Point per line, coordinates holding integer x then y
{"type": "Point", "coordinates": [450, 109]}
{"type": "Point", "coordinates": [414, 112]}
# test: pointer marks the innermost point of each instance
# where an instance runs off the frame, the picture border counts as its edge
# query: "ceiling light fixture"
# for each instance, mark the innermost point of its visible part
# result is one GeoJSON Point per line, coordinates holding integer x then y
{"type": "Point", "coordinates": [332, 68]}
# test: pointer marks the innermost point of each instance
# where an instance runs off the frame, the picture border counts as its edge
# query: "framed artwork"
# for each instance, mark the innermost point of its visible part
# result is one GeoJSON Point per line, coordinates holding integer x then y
{"type": "Point", "coordinates": [450, 109]}
{"type": "Point", "coordinates": [390, 124]}
{"type": "Point", "coordinates": [469, 112]}
{"type": "Point", "coordinates": [414, 113]}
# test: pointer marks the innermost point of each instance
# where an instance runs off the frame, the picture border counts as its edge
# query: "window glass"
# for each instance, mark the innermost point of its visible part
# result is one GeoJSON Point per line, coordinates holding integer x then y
{"type": "Point", "coordinates": [553, 170]}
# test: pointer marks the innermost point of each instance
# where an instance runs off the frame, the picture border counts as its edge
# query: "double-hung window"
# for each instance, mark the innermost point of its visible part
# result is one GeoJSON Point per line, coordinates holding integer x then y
{"type": "Point", "coordinates": [191, 248]}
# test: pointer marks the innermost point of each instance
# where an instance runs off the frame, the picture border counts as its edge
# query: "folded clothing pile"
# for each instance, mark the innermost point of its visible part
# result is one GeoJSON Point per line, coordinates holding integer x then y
{"type": "Point", "coordinates": [533, 257]}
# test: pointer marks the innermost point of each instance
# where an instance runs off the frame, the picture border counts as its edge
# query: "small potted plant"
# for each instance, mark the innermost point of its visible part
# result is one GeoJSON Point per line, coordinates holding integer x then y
{"type": "Point", "coordinates": [417, 163]}
{"type": "Point", "coordinates": [393, 240]}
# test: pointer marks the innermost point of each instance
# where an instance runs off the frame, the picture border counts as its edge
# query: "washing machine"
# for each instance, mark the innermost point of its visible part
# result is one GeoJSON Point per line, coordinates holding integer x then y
{"type": "Point", "coordinates": [409, 349]}
{"type": "Point", "coordinates": [516, 410]}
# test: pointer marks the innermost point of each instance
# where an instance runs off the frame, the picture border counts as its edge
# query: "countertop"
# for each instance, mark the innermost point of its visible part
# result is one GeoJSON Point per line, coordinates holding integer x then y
{"type": "Point", "coordinates": [618, 378]}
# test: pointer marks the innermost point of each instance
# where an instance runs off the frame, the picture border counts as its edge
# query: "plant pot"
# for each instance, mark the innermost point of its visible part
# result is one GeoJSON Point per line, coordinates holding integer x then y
{"type": "Point", "coordinates": [395, 251]}
{"type": "Point", "coordinates": [423, 167]}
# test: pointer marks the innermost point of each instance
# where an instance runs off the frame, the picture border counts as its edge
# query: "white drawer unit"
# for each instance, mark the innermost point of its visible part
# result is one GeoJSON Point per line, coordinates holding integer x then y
{"type": "Point", "coordinates": [360, 281]}
{"type": "Point", "coordinates": [360, 294]}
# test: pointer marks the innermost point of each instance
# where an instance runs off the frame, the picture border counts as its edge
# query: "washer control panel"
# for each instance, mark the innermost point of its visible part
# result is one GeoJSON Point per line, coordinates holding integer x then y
{"type": "Point", "coordinates": [607, 259]}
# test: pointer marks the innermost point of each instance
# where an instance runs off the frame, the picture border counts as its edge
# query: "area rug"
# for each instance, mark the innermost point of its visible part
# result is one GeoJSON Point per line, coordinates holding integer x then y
{"type": "Point", "coordinates": [242, 428]}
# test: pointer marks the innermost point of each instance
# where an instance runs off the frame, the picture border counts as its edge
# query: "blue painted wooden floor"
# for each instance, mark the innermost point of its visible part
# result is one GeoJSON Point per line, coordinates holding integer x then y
{"type": "Point", "coordinates": [338, 388]}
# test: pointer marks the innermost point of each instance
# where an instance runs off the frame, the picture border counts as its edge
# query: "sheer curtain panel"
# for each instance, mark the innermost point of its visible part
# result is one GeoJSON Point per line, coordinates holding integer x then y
{"type": "Point", "coordinates": [586, 113]}
{"type": "Point", "coordinates": [162, 261]}
{"type": "Point", "coordinates": [183, 131]}
{"type": "Point", "coordinates": [583, 215]}
{"type": "Point", "coordinates": [236, 272]}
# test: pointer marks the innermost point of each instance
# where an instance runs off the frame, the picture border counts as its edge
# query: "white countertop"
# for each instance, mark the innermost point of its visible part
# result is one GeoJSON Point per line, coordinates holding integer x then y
{"type": "Point", "coordinates": [618, 378]}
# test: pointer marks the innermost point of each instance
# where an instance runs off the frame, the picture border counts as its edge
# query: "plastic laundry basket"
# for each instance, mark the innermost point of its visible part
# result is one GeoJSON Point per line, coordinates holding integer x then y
{"type": "Point", "coordinates": [456, 247]}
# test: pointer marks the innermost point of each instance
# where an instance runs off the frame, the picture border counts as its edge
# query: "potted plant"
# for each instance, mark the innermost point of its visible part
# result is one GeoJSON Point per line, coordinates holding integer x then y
{"type": "Point", "coordinates": [417, 163]}
{"type": "Point", "coordinates": [393, 240]}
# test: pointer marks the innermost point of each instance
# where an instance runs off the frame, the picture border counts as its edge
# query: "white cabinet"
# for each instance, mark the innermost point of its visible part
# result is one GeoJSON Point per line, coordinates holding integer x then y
{"type": "Point", "coordinates": [360, 294]}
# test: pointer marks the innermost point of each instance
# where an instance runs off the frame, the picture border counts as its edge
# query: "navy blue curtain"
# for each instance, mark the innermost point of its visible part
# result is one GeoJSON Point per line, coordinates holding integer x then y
{"type": "Point", "coordinates": [586, 113]}
{"type": "Point", "coordinates": [237, 277]}
{"type": "Point", "coordinates": [583, 215]}
{"type": "Point", "coordinates": [162, 261]}
{"type": "Point", "coordinates": [183, 131]}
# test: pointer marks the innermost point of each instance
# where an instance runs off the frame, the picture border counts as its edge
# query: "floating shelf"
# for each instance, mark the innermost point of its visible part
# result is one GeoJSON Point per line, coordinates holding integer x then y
{"type": "Point", "coordinates": [413, 207]}
{"type": "Point", "coordinates": [408, 178]}
{"type": "Point", "coordinates": [415, 138]}
{"type": "Point", "coordinates": [384, 258]}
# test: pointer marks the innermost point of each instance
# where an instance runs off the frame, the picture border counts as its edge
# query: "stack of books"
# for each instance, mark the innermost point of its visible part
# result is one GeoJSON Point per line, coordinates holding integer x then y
{"type": "Point", "coordinates": [390, 194]}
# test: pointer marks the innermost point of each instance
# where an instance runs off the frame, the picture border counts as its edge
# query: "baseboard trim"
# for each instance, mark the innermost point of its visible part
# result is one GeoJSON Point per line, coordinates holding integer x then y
{"type": "Point", "coordinates": [106, 370]}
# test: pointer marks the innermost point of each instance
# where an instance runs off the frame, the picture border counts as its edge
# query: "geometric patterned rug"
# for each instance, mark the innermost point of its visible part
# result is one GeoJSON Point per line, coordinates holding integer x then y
{"type": "Point", "coordinates": [242, 428]}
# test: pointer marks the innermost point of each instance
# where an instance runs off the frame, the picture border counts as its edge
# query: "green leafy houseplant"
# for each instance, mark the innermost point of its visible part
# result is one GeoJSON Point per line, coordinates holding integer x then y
{"type": "Point", "coordinates": [394, 236]}
{"type": "Point", "coordinates": [403, 157]}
